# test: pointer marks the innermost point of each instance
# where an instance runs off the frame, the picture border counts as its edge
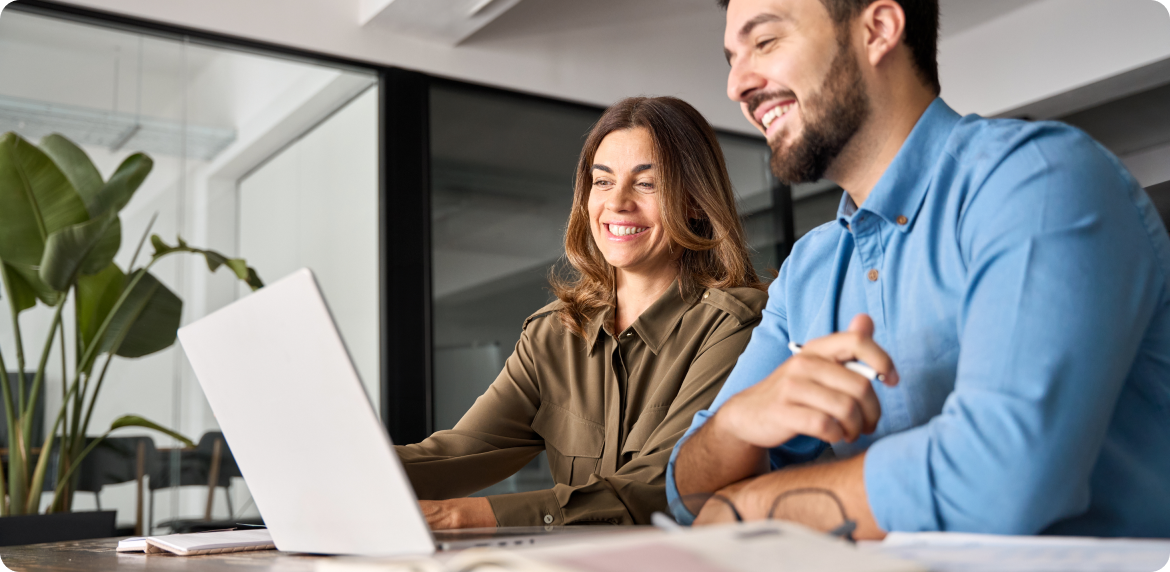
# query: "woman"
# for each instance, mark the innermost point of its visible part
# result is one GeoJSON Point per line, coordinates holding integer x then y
{"type": "Point", "coordinates": [608, 377]}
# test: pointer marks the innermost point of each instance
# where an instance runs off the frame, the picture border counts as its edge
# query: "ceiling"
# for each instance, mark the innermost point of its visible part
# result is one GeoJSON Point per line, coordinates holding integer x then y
{"type": "Point", "coordinates": [541, 17]}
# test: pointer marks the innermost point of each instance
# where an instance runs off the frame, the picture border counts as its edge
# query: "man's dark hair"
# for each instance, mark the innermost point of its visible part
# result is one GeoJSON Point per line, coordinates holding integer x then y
{"type": "Point", "coordinates": [921, 30]}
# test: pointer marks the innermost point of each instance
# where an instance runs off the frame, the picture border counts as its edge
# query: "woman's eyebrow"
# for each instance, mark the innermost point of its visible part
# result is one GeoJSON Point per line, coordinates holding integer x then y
{"type": "Point", "coordinates": [599, 166]}
{"type": "Point", "coordinates": [642, 167]}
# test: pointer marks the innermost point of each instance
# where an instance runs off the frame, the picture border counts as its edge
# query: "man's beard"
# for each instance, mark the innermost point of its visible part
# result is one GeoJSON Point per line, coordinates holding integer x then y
{"type": "Point", "coordinates": [833, 116]}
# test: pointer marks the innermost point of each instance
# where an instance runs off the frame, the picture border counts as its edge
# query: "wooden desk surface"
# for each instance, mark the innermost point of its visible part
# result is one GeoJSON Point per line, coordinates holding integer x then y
{"type": "Point", "coordinates": [91, 555]}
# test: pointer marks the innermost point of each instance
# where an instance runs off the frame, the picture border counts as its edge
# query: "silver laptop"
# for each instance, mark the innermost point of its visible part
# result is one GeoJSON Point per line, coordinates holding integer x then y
{"type": "Point", "coordinates": [317, 460]}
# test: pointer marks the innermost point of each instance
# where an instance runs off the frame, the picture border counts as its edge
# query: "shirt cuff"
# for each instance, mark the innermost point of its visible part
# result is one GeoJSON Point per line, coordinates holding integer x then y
{"type": "Point", "coordinates": [535, 508]}
{"type": "Point", "coordinates": [898, 482]}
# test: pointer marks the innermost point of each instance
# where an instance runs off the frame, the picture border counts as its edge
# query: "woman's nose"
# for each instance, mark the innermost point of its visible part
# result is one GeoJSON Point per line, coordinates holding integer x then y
{"type": "Point", "coordinates": [621, 199]}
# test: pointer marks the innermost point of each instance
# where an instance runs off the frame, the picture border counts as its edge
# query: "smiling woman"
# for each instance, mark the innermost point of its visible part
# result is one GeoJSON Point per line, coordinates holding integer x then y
{"type": "Point", "coordinates": [661, 300]}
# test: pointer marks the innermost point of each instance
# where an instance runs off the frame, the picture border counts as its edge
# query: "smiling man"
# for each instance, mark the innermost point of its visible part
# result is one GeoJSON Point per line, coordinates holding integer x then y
{"type": "Point", "coordinates": [1007, 281]}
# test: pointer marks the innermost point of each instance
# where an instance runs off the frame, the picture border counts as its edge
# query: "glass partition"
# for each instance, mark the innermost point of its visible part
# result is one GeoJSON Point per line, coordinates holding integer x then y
{"type": "Point", "coordinates": [255, 156]}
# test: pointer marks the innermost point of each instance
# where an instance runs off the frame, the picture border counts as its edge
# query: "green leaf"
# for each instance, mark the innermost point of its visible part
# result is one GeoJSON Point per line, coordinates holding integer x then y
{"type": "Point", "coordinates": [95, 297]}
{"type": "Point", "coordinates": [149, 320]}
{"type": "Point", "coordinates": [84, 248]}
{"type": "Point", "coordinates": [77, 167]}
{"type": "Point", "coordinates": [214, 260]}
{"type": "Point", "coordinates": [29, 279]}
{"type": "Point", "coordinates": [22, 294]}
{"type": "Point", "coordinates": [124, 182]}
{"type": "Point", "coordinates": [136, 421]}
{"type": "Point", "coordinates": [36, 200]}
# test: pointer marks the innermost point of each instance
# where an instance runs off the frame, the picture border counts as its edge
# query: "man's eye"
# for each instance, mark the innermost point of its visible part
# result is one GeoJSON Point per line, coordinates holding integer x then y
{"type": "Point", "coordinates": [764, 43]}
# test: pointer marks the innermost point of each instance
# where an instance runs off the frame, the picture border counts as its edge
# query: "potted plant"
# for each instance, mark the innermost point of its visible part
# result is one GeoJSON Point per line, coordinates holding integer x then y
{"type": "Point", "coordinates": [59, 233]}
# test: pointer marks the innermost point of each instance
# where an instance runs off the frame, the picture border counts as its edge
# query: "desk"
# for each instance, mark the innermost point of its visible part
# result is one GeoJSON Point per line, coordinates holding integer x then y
{"type": "Point", "coordinates": [91, 555]}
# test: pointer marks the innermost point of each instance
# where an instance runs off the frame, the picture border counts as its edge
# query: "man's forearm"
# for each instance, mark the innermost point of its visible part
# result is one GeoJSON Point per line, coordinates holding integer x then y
{"type": "Point", "coordinates": [711, 459]}
{"type": "Point", "coordinates": [809, 495]}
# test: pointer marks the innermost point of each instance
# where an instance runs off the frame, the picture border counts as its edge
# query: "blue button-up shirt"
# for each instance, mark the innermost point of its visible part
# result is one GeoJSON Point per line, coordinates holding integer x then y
{"type": "Point", "coordinates": [1017, 275]}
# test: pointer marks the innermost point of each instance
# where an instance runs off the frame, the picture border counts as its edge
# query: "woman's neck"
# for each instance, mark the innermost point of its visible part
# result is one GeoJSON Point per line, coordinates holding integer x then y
{"type": "Point", "coordinates": [636, 292]}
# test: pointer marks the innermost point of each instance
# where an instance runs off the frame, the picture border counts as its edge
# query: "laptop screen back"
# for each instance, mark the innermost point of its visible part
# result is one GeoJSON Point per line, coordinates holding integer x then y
{"type": "Point", "coordinates": [317, 460]}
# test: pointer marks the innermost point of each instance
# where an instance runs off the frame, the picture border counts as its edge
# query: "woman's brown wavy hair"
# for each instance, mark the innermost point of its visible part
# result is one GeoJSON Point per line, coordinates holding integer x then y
{"type": "Point", "coordinates": [694, 194]}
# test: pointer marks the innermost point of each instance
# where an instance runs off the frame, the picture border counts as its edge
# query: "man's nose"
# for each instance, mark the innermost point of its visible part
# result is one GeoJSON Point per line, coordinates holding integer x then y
{"type": "Point", "coordinates": [743, 81]}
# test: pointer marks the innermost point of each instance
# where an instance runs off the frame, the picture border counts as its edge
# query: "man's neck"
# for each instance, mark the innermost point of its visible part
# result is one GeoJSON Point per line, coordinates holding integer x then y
{"type": "Point", "coordinates": [865, 159]}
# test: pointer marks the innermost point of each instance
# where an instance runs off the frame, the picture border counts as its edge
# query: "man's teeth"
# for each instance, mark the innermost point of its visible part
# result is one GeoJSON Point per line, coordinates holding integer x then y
{"type": "Point", "coordinates": [775, 113]}
{"type": "Point", "coordinates": [625, 230]}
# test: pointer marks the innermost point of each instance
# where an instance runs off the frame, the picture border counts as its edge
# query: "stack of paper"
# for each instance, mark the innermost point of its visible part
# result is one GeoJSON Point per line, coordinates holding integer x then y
{"type": "Point", "coordinates": [958, 552]}
{"type": "Point", "coordinates": [217, 542]}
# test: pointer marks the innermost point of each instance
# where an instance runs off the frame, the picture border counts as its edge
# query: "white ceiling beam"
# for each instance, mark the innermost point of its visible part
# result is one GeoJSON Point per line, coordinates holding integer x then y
{"type": "Point", "coordinates": [447, 22]}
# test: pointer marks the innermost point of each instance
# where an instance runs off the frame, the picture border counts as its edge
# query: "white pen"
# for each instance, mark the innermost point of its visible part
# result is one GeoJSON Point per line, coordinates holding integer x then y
{"type": "Point", "coordinates": [853, 366]}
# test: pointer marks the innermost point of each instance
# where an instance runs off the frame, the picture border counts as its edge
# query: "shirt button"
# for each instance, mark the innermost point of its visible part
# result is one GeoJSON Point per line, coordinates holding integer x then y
{"type": "Point", "coordinates": [902, 219]}
{"type": "Point", "coordinates": [706, 295]}
{"type": "Point", "coordinates": [628, 334]}
{"type": "Point", "coordinates": [548, 519]}
{"type": "Point", "coordinates": [873, 275]}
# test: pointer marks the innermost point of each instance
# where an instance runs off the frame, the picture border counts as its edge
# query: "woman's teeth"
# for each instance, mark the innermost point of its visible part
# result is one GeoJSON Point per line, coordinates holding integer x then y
{"type": "Point", "coordinates": [617, 230]}
{"type": "Point", "coordinates": [775, 113]}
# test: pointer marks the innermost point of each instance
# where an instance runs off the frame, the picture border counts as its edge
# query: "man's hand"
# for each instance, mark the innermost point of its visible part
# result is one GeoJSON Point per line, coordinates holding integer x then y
{"type": "Point", "coordinates": [458, 513]}
{"type": "Point", "coordinates": [812, 393]}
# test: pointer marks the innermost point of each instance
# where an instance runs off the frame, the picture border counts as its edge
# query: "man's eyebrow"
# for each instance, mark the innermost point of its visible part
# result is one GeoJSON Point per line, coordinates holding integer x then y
{"type": "Point", "coordinates": [642, 167]}
{"type": "Point", "coordinates": [750, 25]}
{"type": "Point", "coordinates": [601, 167]}
{"type": "Point", "coordinates": [759, 19]}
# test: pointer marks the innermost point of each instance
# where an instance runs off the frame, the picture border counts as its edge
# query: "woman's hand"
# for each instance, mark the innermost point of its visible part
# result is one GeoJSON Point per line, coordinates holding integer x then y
{"type": "Point", "coordinates": [458, 513]}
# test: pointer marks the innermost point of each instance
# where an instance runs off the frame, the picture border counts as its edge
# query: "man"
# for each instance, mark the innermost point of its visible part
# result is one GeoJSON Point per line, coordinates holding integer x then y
{"type": "Point", "coordinates": [1007, 281]}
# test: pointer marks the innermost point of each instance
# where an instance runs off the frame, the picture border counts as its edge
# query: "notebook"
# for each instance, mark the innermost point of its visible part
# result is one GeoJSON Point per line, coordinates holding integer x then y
{"type": "Point", "coordinates": [217, 542]}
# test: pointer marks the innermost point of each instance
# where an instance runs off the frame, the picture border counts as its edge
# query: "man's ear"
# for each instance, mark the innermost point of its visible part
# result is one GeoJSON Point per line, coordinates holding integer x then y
{"type": "Point", "coordinates": [883, 26]}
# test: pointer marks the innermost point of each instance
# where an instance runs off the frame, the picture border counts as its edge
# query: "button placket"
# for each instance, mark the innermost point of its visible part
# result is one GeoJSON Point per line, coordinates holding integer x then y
{"type": "Point", "coordinates": [868, 237]}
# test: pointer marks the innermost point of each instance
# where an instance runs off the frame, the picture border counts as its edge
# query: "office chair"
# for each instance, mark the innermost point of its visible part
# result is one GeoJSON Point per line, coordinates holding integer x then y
{"type": "Point", "coordinates": [209, 464]}
{"type": "Point", "coordinates": [119, 460]}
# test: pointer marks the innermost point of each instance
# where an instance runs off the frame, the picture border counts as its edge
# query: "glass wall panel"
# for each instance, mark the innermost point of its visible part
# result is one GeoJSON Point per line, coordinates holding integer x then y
{"type": "Point", "coordinates": [208, 116]}
{"type": "Point", "coordinates": [502, 187]}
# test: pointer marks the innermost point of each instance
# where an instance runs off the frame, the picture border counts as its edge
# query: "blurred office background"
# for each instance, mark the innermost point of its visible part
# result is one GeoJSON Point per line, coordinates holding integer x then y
{"type": "Point", "coordinates": [422, 164]}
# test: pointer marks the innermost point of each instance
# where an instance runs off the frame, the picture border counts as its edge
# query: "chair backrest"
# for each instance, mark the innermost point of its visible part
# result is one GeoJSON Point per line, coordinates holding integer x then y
{"type": "Point", "coordinates": [115, 460]}
{"type": "Point", "coordinates": [38, 424]}
{"type": "Point", "coordinates": [195, 465]}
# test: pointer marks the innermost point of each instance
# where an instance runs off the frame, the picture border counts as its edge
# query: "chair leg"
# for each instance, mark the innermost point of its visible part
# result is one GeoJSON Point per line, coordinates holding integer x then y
{"type": "Point", "coordinates": [212, 477]}
{"type": "Point", "coordinates": [139, 475]}
{"type": "Point", "coordinates": [151, 529]}
{"type": "Point", "coordinates": [231, 511]}
{"type": "Point", "coordinates": [97, 499]}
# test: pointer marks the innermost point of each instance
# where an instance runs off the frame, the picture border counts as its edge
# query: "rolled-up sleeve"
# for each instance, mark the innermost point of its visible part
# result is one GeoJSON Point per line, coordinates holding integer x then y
{"type": "Point", "coordinates": [1060, 289]}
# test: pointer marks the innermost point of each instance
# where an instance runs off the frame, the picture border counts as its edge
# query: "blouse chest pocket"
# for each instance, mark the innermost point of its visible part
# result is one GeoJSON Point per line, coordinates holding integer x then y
{"type": "Point", "coordinates": [640, 433]}
{"type": "Point", "coordinates": [573, 444]}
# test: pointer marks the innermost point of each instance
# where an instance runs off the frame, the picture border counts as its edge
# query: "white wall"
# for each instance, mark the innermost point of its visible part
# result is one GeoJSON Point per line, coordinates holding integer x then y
{"type": "Point", "coordinates": [316, 204]}
{"type": "Point", "coordinates": [1037, 51]}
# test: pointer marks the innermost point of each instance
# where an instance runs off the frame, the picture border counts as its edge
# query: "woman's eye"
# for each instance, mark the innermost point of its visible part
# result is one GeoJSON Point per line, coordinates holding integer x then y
{"type": "Point", "coordinates": [600, 182]}
{"type": "Point", "coordinates": [646, 185]}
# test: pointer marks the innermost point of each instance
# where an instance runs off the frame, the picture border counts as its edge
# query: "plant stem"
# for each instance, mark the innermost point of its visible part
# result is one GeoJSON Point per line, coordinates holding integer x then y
{"type": "Point", "coordinates": [26, 415]}
{"type": "Point", "coordinates": [32, 504]}
{"type": "Point", "coordinates": [19, 347]}
{"type": "Point", "coordinates": [4, 386]}
{"type": "Point", "coordinates": [141, 242]}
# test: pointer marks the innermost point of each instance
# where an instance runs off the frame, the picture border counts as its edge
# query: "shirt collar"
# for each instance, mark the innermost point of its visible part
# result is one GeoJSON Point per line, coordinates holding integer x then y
{"type": "Point", "coordinates": [654, 325]}
{"type": "Point", "coordinates": [899, 193]}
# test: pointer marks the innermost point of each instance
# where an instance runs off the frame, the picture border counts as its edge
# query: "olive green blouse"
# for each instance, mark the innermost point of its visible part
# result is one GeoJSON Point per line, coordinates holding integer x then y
{"type": "Point", "coordinates": [608, 410]}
